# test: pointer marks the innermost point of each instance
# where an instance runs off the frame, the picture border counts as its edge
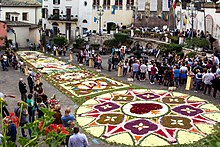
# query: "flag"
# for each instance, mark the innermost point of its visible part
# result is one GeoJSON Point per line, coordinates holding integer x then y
{"type": "Point", "coordinates": [185, 20]}
{"type": "Point", "coordinates": [163, 16]}
{"type": "Point", "coordinates": [95, 19]}
{"type": "Point", "coordinates": [169, 4]}
{"type": "Point", "coordinates": [174, 4]}
{"type": "Point", "coordinates": [113, 9]}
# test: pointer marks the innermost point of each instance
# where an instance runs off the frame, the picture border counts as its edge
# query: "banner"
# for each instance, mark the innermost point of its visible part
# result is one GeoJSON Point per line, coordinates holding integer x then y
{"type": "Point", "coordinates": [113, 9]}
{"type": "Point", "coordinates": [95, 19]}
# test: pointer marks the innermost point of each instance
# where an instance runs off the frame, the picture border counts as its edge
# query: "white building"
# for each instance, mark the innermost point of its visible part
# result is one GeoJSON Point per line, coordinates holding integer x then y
{"type": "Point", "coordinates": [207, 20]}
{"type": "Point", "coordinates": [23, 17]}
{"type": "Point", "coordinates": [77, 17]}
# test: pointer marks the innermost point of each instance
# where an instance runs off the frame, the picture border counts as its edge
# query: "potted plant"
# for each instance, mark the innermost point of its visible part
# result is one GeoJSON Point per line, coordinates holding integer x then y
{"type": "Point", "coordinates": [202, 43]}
{"type": "Point", "coordinates": [113, 29]}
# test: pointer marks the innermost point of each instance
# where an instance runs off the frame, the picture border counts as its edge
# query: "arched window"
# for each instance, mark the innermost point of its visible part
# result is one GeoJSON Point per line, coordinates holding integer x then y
{"type": "Point", "coordinates": [209, 24]}
{"type": "Point", "coordinates": [85, 21]}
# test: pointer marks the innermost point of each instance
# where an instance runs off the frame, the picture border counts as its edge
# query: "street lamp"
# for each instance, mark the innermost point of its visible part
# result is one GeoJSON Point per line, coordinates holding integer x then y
{"type": "Point", "coordinates": [100, 13]}
{"type": "Point", "coordinates": [192, 12]}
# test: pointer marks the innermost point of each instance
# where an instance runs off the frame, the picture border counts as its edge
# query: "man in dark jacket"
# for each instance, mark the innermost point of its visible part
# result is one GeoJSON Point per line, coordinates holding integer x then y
{"type": "Point", "coordinates": [30, 83]}
{"type": "Point", "coordinates": [22, 89]}
{"type": "Point", "coordinates": [215, 85]}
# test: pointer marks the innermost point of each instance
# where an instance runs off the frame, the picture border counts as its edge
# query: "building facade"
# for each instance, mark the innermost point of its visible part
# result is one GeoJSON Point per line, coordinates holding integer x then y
{"type": "Point", "coordinates": [73, 18]}
{"type": "Point", "coordinates": [3, 33]}
{"type": "Point", "coordinates": [204, 18]}
{"type": "Point", "coordinates": [22, 14]}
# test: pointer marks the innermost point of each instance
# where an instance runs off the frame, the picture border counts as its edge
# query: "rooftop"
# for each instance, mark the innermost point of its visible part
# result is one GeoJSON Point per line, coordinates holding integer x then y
{"type": "Point", "coordinates": [20, 24]}
{"type": "Point", "coordinates": [20, 3]}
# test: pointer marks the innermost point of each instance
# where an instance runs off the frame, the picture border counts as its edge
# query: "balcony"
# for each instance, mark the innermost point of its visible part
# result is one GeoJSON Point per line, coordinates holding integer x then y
{"type": "Point", "coordinates": [63, 17]}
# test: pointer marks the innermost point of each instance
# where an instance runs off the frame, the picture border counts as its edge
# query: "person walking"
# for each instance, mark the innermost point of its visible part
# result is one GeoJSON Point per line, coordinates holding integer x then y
{"type": "Point", "coordinates": [78, 139]}
{"type": "Point", "coordinates": [207, 78]}
{"type": "Point", "coordinates": [23, 90]}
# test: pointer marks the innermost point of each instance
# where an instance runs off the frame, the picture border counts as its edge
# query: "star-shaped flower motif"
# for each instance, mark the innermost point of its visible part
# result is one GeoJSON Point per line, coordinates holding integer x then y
{"type": "Point", "coordinates": [140, 126]}
{"type": "Point", "coordinates": [122, 98]}
{"type": "Point", "coordinates": [179, 122]}
{"type": "Point", "coordinates": [106, 106]}
{"type": "Point", "coordinates": [109, 118]}
{"type": "Point", "coordinates": [174, 100]}
{"type": "Point", "coordinates": [188, 110]}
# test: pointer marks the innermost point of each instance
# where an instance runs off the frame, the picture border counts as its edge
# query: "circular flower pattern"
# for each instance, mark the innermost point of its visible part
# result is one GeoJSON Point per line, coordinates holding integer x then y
{"type": "Point", "coordinates": [147, 117]}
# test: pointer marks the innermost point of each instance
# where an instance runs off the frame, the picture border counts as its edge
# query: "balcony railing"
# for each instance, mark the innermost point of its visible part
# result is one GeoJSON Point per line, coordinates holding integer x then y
{"type": "Point", "coordinates": [63, 17]}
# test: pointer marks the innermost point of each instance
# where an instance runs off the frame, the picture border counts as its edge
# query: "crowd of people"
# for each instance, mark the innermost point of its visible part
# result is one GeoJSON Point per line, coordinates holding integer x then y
{"type": "Point", "coordinates": [33, 94]}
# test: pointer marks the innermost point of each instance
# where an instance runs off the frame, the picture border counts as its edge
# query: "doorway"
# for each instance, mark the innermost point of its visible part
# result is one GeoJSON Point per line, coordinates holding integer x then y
{"type": "Point", "coordinates": [109, 26]}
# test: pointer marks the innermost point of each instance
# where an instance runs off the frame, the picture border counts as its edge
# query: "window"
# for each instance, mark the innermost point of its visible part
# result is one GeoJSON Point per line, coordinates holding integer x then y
{"type": "Point", "coordinates": [129, 4]}
{"type": "Point", "coordinates": [84, 21]}
{"type": "Point", "coordinates": [56, 2]}
{"type": "Point", "coordinates": [106, 4]}
{"type": "Point", "coordinates": [12, 18]}
{"type": "Point", "coordinates": [16, 18]}
{"type": "Point", "coordinates": [44, 13]}
{"type": "Point", "coordinates": [7, 16]}
{"type": "Point", "coordinates": [118, 4]}
{"type": "Point", "coordinates": [25, 16]}
{"type": "Point", "coordinates": [96, 3]}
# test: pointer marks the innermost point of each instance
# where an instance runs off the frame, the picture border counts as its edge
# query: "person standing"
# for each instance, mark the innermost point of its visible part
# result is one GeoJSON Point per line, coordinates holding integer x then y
{"type": "Point", "coordinates": [153, 73]}
{"type": "Point", "coordinates": [57, 115]}
{"type": "Point", "coordinates": [109, 63]}
{"type": "Point", "coordinates": [207, 78]}
{"type": "Point", "coordinates": [67, 117]}
{"type": "Point", "coordinates": [23, 118]}
{"type": "Point", "coordinates": [23, 90]}
{"type": "Point", "coordinates": [31, 107]}
{"type": "Point", "coordinates": [125, 67]}
{"type": "Point", "coordinates": [78, 139]}
{"type": "Point", "coordinates": [143, 69]}
{"type": "Point", "coordinates": [30, 82]}
{"type": "Point", "coordinates": [135, 68]}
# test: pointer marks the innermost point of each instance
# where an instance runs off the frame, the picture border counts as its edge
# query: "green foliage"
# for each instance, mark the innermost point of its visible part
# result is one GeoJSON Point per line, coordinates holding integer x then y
{"type": "Point", "coordinates": [172, 47]}
{"type": "Point", "coordinates": [121, 37]}
{"type": "Point", "coordinates": [80, 43]}
{"type": "Point", "coordinates": [43, 132]}
{"type": "Point", "coordinates": [111, 42]}
{"type": "Point", "coordinates": [197, 42]}
{"type": "Point", "coordinates": [60, 40]}
{"type": "Point", "coordinates": [113, 27]}
{"type": "Point", "coordinates": [174, 39]}
{"type": "Point", "coordinates": [214, 139]}
{"type": "Point", "coordinates": [95, 46]}
{"type": "Point", "coordinates": [191, 54]}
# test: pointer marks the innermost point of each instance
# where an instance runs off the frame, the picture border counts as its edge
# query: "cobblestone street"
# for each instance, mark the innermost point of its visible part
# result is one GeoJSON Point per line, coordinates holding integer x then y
{"type": "Point", "coordinates": [9, 85]}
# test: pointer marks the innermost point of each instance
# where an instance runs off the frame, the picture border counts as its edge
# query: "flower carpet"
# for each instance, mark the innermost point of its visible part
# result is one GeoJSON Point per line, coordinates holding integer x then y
{"type": "Point", "coordinates": [71, 80]}
{"type": "Point", "coordinates": [147, 117]}
{"type": "Point", "coordinates": [133, 117]}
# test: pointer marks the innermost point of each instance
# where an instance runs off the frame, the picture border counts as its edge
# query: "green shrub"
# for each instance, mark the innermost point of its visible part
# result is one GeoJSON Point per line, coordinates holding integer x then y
{"type": "Point", "coordinates": [60, 40]}
{"type": "Point", "coordinates": [197, 42]}
{"type": "Point", "coordinates": [121, 37]}
{"type": "Point", "coordinates": [95, 46]}
{"type": "Point", "coordinates": [111, 42]}
{"type": "Point", "coordinates": [172, 47]}
{"type": "Point", "coordinates": [191, 54]}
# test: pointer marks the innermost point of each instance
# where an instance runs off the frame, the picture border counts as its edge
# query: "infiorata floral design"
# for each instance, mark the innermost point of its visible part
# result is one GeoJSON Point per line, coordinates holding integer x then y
{"type": "Point", "coordinates": [71, 80]}
{"type": "Point", "coordinates": [105, 107]}
{"type": "Point", "coordinates": [140, 127]}
{"type": "Point", "coordinates": [112, 118]}
{"type": "Point", "coordinates": [187, 110]}
{"type": "Point", "coordinates": [147, 117]}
